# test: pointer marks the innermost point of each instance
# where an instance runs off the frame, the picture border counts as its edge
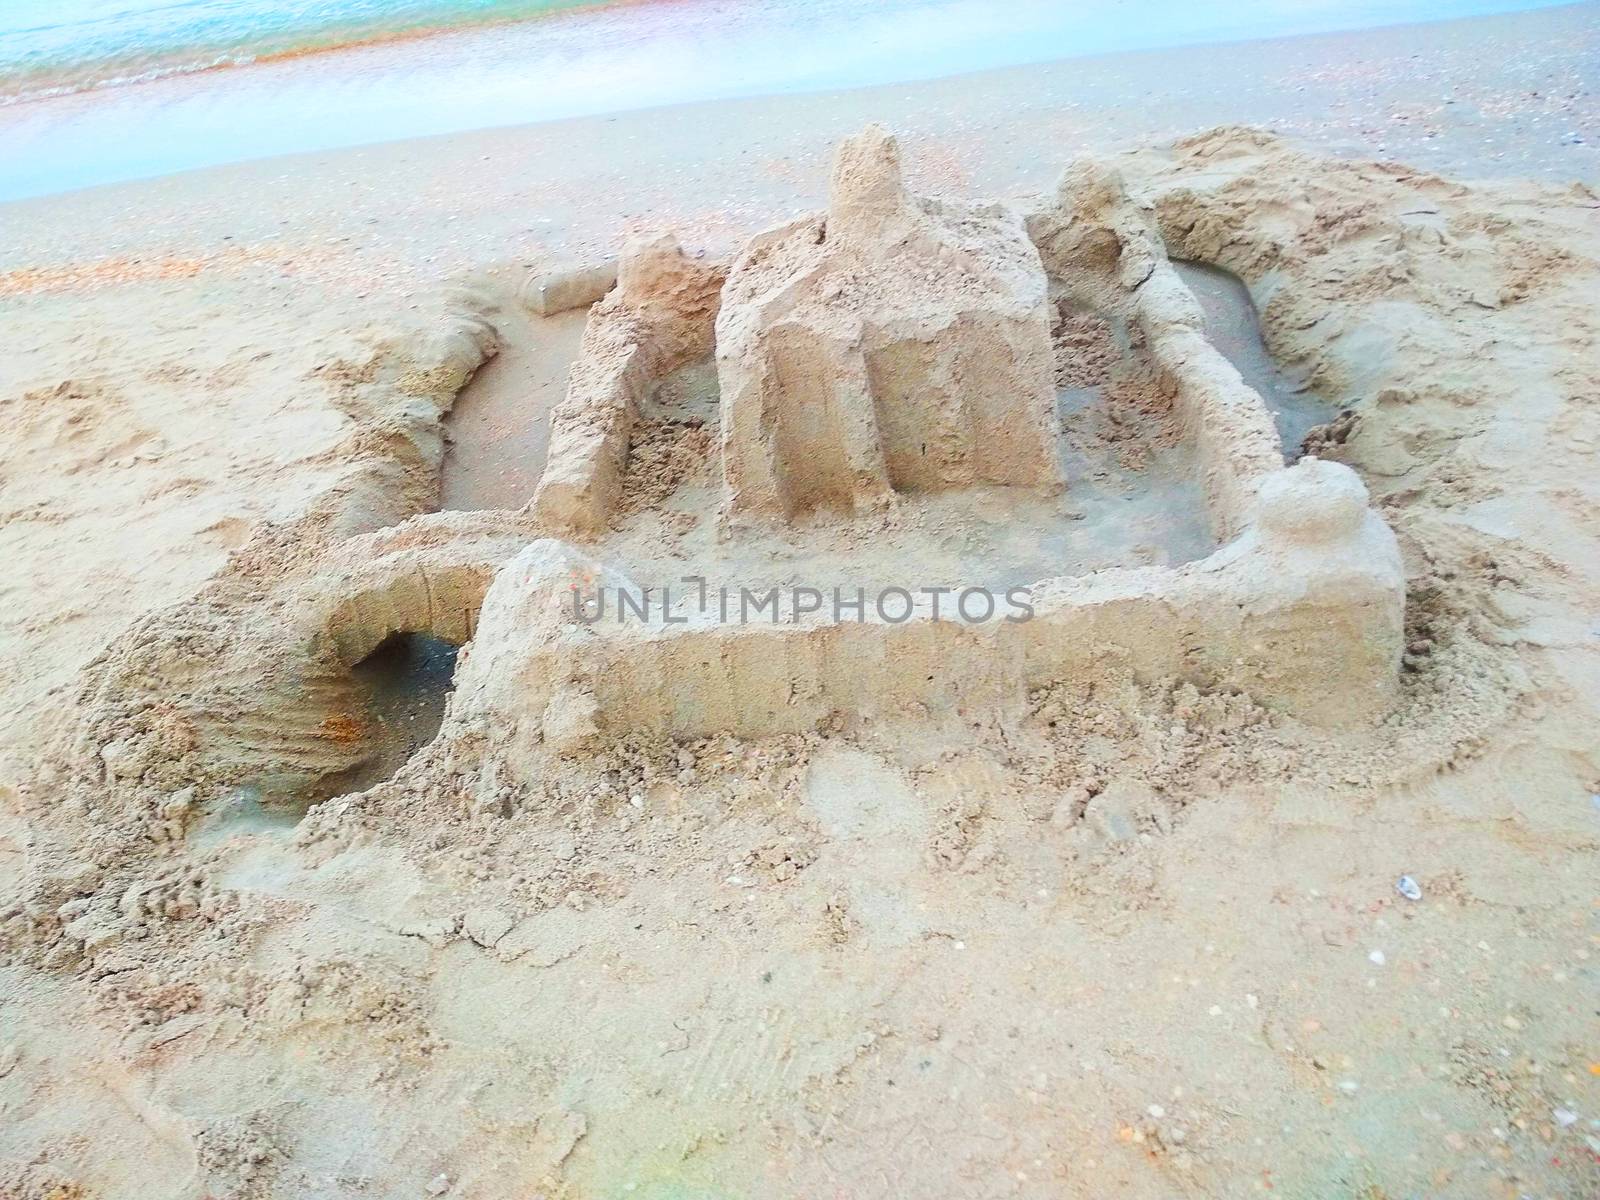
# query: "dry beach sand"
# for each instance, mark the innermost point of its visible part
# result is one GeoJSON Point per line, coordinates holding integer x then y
{"type": "Point", "coordinates": [885, 957]}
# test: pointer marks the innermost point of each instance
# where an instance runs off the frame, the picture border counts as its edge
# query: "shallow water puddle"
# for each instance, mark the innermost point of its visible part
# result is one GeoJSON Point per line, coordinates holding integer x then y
{"type": "Point", "coordinates": [1234, 327]}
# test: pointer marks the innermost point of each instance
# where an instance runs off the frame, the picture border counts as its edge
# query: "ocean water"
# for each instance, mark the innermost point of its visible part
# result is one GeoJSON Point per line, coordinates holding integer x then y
{"type": "Point", "coordinates": [95, 91]}
{"type": "Point", "coordinates": [51, 46]}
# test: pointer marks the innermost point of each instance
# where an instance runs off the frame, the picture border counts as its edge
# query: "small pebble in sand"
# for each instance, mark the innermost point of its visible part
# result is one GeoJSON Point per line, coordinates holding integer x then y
{"type": "Point", "coordinates": [1377, 958]}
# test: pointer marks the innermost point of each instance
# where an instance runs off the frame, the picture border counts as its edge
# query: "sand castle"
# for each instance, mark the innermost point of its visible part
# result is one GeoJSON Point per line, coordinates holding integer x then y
{"type": "Point", "coordinates": [895, 344]}
{"type": "Point", "coordinates": [889, 350]}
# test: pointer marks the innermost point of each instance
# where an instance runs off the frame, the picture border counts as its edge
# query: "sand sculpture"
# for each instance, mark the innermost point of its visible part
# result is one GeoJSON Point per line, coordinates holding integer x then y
{"type": "Point", "coordinates": [898, 344]}
{"type": "Point", "coordinates": [890, 344]}
{"type": "Point", "coordinates": [891, 348]}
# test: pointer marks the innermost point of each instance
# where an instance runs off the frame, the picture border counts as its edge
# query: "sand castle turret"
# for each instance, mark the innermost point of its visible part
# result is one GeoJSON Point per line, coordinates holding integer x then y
{"type": "Point", "coordinates": [894, 343]}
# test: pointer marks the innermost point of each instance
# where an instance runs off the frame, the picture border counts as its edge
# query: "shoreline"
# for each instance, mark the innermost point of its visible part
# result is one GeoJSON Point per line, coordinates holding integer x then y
{"type": "Point", "coordinates": [1497, 96]}
{"type": "Point", "coordinates": [171, 63]}
{"type": "Point", "coordinates": [575, 63]}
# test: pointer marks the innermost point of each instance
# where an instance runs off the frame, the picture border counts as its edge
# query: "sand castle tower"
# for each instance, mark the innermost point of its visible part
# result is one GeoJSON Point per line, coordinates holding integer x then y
{"type": "Point", "coordinates": [892, 344]}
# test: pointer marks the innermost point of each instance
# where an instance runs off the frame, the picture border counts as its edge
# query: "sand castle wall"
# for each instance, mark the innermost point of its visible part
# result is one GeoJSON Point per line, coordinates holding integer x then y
{"type": "Point", "coordinates": [1304, 612]}
{"type": "Point", "coordinates": [661, 315]}
{"type": "Point", "coordinates": [1108, 253]}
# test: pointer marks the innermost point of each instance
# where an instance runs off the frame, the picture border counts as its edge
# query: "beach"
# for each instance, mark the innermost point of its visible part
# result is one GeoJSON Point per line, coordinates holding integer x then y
{"type": "Point", "coordinates": [217, 81]}
{"type": "Point", "coordinates": [894, 953]}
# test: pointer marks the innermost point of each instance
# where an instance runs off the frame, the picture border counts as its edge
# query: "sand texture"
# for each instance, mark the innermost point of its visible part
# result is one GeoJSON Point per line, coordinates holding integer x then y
{"type": "Point", "coordinates": [1111, 925]}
